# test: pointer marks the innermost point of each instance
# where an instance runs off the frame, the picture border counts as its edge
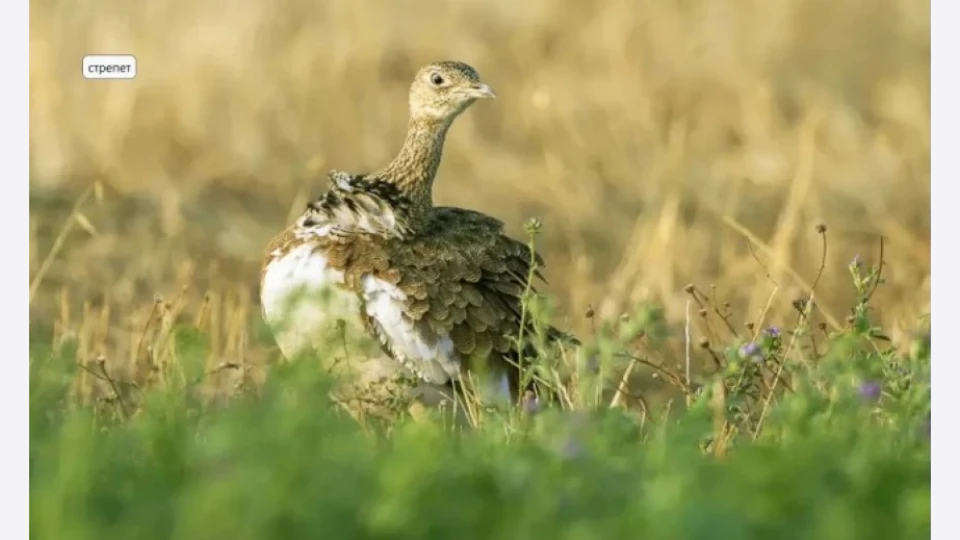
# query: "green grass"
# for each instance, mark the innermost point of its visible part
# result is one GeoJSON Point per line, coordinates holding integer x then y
{"type": "Point", "coordinates": [824, 457]}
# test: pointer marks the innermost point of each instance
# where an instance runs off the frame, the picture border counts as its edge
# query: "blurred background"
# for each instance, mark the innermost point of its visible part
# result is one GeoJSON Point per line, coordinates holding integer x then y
{"type": "Point", "coordinates": [653, 139]}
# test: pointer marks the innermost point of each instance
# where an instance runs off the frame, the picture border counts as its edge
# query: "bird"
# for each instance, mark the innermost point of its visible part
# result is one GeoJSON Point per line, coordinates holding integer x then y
{"type": "Point", "coordinates": [439, 288]}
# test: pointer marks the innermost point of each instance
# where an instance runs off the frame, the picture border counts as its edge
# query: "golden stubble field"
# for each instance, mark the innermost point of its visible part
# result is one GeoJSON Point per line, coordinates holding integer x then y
{"type": "Point", "coordinates": [651, 138]}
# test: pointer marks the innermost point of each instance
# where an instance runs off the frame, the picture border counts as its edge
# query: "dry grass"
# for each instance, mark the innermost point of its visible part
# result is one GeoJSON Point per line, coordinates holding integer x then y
{"type": "Point", "coordinates": [650, 137]}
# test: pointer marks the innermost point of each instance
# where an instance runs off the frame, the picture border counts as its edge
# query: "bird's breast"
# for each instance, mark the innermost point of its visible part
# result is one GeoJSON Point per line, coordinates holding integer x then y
{"type": "Point", "coordinates": [302, 298]}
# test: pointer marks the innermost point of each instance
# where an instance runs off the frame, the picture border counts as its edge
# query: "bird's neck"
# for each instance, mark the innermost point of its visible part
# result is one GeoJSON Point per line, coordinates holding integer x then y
{"type": "Point", "coordinates": [415, 166]}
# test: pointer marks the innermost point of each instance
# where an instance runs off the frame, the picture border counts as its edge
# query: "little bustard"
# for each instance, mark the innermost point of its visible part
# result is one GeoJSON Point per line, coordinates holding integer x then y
{"type": "Point", "coordinates": [440, 288]}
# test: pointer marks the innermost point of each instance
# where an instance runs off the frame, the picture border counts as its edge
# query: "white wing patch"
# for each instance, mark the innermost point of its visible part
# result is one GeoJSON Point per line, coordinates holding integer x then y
{"type": "Point", "coordinates": [301, 300]}
{"type": "Point", "coordinates": [433, 358]}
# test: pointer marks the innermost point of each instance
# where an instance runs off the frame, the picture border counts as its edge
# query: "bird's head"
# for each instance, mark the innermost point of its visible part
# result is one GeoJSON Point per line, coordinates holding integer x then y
{"type": "Point", "coordinates": [442, 90]}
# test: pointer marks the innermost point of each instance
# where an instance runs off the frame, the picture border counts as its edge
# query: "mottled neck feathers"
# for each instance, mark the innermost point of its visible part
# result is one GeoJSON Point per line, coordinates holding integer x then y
{"type": "Point", "coordinates": [390, 203]}
{"type": "Point", "coordinates": [415, 166]}
{"type": "Point", "coordinates": [358, 204]}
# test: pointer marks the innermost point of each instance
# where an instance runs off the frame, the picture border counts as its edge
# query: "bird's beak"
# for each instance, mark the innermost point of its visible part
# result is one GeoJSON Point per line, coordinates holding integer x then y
{"type": "Point", "coordinates": [481, 91]}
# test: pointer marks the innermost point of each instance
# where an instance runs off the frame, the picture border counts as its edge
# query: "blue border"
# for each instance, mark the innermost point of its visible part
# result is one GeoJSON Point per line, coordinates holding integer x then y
{"type": "Point", "coordinates": [16, 150]}
{"type": "Point", "coordinates": [945, 292]}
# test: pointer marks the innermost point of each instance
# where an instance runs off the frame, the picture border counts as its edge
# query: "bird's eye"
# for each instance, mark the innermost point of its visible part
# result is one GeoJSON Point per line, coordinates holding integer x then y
{"type": "Point", "coordinates": [436, 79]}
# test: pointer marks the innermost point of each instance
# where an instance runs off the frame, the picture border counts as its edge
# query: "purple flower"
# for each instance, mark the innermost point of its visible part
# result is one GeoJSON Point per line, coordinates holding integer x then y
{"type": "Point", "coordinates": [772, 332]}
{"type": "Point", "coordinates": [869, 391]}
{"type": "Point", "coordinates": [752, 351]}
{"type": "Point", "coordinates": [857, 262]}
